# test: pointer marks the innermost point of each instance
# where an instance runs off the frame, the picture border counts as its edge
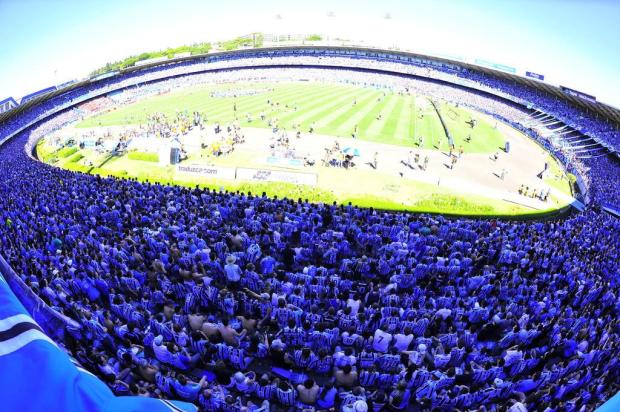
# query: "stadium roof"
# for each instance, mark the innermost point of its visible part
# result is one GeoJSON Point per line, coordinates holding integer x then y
{"type": "Point", "coordinates": [31, 96]}
{"type": "Point", "coordinates": [39, 99]}
{"type": "Point", "coordinates": [8, 99]}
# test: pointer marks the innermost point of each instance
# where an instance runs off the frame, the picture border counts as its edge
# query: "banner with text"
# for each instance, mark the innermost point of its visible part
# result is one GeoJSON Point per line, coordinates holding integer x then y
{"type": "Point", "coordinates": [285, 162]}
{"type": "Point", "coordinates": [579, 94]}
{"type": "Point", "coordinates": [263, 175]}
{"type": "Point", "coordinates": [209, 171]}
{"type": "Point", "coordinates": [497, 66]}
{"type": "Point", "coordinates": [535, 75]}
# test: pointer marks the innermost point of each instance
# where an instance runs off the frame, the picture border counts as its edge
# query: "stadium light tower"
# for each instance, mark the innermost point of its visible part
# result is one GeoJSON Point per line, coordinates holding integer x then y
{"type": "Point", "coordinates": [388, 30]}
{"type": "Point", "coordinates": [330, 16]}
{"type": "Point", "coordinates": [278, 27]}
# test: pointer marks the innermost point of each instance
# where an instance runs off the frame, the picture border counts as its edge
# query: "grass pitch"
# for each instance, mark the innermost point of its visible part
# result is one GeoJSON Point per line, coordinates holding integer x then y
{"type": "Point", "coordinates": [380, 117]}
{"type": "Point", "coordinates": [331, 109]}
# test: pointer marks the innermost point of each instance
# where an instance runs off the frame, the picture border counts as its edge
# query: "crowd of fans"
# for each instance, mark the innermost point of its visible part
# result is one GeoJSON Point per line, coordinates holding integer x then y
{"type": "Point", "coordinates": [242, 302]}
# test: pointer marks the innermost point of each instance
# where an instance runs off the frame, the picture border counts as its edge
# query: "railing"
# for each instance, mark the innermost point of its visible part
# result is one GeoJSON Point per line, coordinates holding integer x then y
{"type": "Point", "coordinates": [53, 323]}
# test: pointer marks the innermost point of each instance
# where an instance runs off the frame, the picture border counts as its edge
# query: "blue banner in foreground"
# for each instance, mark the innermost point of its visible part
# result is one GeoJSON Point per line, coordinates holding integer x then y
{"type": "Point", "coordinates": [38, 376]}
{"type": "Point", "coordinates": [612, 405]}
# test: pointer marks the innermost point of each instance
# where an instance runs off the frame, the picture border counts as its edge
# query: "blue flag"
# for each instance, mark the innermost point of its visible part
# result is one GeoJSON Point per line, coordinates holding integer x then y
{"type": "Point", "coordinates": [35, 375]}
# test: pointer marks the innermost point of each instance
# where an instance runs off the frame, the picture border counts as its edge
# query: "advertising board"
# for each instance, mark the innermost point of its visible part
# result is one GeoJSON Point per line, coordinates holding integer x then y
{"type": "Point", "coordinates": [579, 94]}
{"type": "Point", "coordinates": [535, 75]}
{"type": "Point", "coordinates": [264, 175]}
{"type": "Point", "coordinates": [497, 66]}
{"type": "Point", "coordinates": [284, 162]}
{"type": "Point", "coordinates": [208, 171]}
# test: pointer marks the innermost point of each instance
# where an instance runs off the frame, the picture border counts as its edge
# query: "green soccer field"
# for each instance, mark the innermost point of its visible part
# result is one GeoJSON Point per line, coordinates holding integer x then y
{"type": "Point", "coordinates": [331, 109]}
{"type": "Point", "coordinates": [385, 121]}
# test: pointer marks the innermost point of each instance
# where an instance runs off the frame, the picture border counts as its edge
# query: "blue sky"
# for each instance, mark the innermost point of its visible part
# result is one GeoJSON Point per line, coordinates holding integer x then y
{"type": "Point", "coordinates": [572, 42]}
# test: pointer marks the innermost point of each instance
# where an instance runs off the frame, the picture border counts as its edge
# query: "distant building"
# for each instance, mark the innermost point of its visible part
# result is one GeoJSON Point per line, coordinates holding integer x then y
{"type": "Point", "coordinates": [276, 38]}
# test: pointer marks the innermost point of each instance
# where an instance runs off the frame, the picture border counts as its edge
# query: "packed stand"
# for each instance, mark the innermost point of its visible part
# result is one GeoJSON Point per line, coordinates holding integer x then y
{"type": "Point", "coordinates": [240, 302]}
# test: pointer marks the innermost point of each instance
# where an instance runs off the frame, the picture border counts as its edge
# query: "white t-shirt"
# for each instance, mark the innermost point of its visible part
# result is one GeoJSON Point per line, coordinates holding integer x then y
{"type": "Point", "coordinates": [444, 313]}
{"type": "Point", "coordinates": [275, 298]}
{"type": "Point", "coordinates": [340, 359]}
{"type": "Point", "coordinates": [381, 341]}
{"type": "Point", "coordinates": [354, 305]}
{"type": "Point", "coordinates": [517, 407]}
{"type": "Point", "coordinates": [402, 341]}
{"type": "Point", "coordinates": [513, 356]}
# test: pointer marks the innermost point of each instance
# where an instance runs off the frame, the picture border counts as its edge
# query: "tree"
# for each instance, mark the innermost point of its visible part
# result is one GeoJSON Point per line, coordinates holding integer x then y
{"type": "Point", "coordinates": [255, 40]}
{"type": "Point", "coordinates": [314, 37]}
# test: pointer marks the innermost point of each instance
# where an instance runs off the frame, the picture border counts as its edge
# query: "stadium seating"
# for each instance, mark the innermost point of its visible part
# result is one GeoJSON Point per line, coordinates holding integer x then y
{"type": "Point", "coordinates": [233, 300]}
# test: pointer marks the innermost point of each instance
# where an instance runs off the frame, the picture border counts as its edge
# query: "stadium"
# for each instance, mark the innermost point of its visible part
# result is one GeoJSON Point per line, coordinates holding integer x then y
{"type": "Point", "coordinates": [309, 227]}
